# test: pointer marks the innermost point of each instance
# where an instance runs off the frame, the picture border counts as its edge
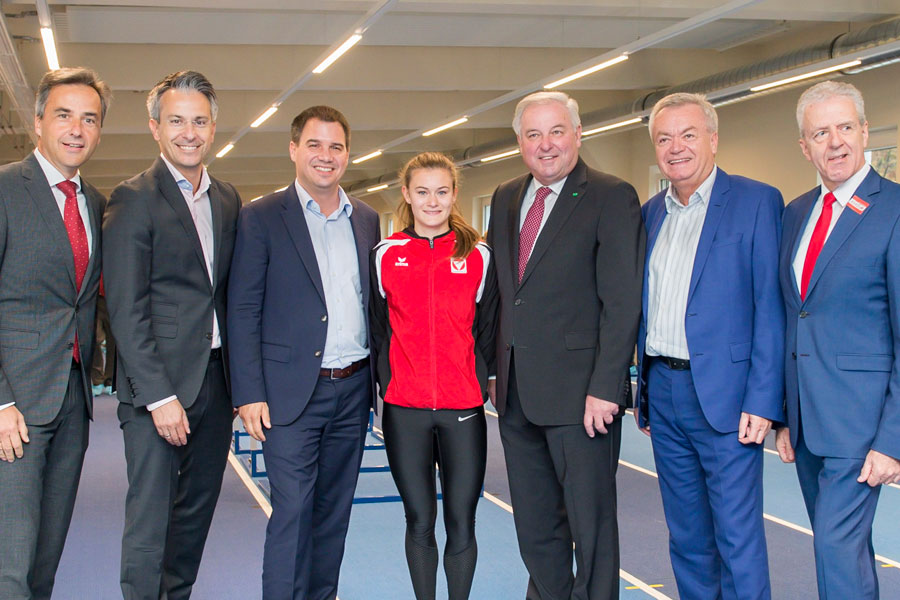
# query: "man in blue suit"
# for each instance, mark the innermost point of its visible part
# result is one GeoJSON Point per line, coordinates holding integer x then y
{"type": "Point", "coordinates": [840, 277]}
{"type": "Point", "coordinates": [710, 353]}
{"type": "Point", "coordinates": [297, 306]}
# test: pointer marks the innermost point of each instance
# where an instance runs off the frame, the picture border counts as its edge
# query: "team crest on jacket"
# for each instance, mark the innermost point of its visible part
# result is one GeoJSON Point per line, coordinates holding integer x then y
{"type": "Point", "coordinates": [458, 265]}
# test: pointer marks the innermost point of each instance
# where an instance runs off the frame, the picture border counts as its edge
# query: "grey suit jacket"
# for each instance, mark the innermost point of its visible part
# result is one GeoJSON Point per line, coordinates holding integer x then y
{"type": "Point", "coordinates": [157, 288]}
{"type": "Point", "coordinates": [572, 321]}
{"type": "Point", "coordinates": [40, 309]}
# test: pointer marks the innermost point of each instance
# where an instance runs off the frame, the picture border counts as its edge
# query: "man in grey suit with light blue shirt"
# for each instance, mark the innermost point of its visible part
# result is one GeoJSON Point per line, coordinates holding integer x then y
{"type": "Point", "coordinates": [49, 275]}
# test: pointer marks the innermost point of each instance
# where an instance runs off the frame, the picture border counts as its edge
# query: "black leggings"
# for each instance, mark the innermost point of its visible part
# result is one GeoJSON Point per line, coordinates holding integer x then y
{"type": "Point", "coordinates": [415, 439]}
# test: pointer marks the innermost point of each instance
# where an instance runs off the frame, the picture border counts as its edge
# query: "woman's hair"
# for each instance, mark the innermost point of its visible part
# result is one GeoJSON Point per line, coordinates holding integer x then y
{"type": "Point", "coordinates": [466, 236]}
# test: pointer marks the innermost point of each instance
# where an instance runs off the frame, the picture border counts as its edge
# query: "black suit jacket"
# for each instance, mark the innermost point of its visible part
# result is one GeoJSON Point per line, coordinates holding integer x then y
{"type": "Point", "coordinates": [157, 288]}
{"type": "Point", "coordinates": [572, 322]}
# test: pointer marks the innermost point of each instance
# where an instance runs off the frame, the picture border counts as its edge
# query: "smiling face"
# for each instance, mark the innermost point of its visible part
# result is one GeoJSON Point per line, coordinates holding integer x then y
{"type": "Point", "coordinates": [431, 196]}
{"type": "Point", "coordinates": [321, 157]}
{"type": "Point", "coordinates": [685, 148]}
{"type": "Point", "coordinates": [185, 131]}
{"type": "Point", "coordinates": [833, 139]}
{"type": "Point", "coordinates": [549, 142]}
{"type": "Point", "coordinates": [69, 131]}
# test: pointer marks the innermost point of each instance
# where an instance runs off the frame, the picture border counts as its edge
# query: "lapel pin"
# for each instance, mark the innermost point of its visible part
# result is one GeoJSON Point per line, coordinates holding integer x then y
{"type": "Point", "coordinates": [574, 194]}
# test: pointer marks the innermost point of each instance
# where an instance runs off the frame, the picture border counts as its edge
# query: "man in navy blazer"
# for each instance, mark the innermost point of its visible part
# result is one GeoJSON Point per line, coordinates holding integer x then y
{"type": "Point", "coordinates": [297, 306]}
{"type": "Point", "coordinates": [840, 277]}
{"type": "Point", "coordinates": [710, 352]}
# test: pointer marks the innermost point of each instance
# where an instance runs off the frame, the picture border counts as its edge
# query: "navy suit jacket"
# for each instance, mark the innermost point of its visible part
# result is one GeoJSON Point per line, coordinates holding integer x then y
{"type": "Point", "coordinates": [734, 320]}
{"type": "Point", "coordinates": [277, 318]}
{"type": "Point", "coordinates": [841, 358]}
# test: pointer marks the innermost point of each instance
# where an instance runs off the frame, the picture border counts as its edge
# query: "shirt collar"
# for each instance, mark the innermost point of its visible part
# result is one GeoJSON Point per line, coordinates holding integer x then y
{"type": "Point", "coordinates": [700, 196]}
{"type": "Point", "coordinates": [555, 187]}
{"type": "Point", "coordinates": [182, 182]}
{"type": "Point", "coordinates": [845, 191]}
{"type": "Point", "coordinates": [311, 205]}
{"type": "Point", "coordinates": [52, 173]}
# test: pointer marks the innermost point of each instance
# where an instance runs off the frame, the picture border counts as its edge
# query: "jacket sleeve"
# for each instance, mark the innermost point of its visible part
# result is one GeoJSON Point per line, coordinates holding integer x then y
{"type": "Point", "coordinates": [379, 323]}
{"type": "Point", "coordinates": [6, 393]}
{"type": "Point", "coordinates": [486, 318]}
{"type": "Point", "coordinates": [127, 260]}
{"type": "Point", "coordinates": [619, 275]}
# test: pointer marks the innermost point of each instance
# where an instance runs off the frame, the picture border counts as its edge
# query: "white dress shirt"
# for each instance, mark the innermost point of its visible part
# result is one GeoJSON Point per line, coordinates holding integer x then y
{"type": "Point", "coordinates": [201, 212]}
{"type": "Point", "coordinates": [53, 177]}
{"type": "Point", "coordinates": [332, 237]}
{"type": "Point", "coordinates": [670, 269]}
{"type": "Point", "coordinates": [549, 201]}
{"type": "Point", "coordinates": [842, 195]}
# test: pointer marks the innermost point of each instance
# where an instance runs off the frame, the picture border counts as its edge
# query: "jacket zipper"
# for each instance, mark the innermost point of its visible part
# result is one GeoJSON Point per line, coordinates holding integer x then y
{"type": "Point", "coordinates": [431, 326]}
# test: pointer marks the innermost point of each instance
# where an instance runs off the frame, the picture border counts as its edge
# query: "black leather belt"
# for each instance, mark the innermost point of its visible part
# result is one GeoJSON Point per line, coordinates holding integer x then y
{"type": "Point", "coordinates": [346, 371]}
{"type": "Point", "coordinates": [676, 364]}
{"type": "Point", "coordinates": [215, 354]}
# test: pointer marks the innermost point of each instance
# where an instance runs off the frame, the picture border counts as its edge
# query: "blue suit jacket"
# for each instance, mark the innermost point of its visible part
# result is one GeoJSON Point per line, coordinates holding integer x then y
{"type": "Point", "coordinates": [277, 318]}
{"type": "Point", "coordinates": [841, 361]}
{"type": "Point", "coordinates": [735, 319]}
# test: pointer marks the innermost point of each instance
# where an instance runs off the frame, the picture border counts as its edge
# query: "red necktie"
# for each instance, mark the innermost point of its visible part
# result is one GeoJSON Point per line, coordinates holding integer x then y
{"type": "Point", "coordinates": [816, 242]}
{"type": "Point", "coordinates": [530, 228]}
{"type": "Point", "coordinates": [78, 239]}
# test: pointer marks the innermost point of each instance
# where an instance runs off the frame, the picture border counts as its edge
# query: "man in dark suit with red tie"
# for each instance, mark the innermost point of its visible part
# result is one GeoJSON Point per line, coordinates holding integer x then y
{"type": "Point", "coordinates": [49, 269]}
{"type": "Point", "coordinates": [569, 247]}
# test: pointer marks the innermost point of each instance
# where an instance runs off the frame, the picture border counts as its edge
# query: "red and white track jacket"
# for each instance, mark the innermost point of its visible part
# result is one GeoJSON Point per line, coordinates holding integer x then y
{"type": "Point", "coordinates": [433, 321]}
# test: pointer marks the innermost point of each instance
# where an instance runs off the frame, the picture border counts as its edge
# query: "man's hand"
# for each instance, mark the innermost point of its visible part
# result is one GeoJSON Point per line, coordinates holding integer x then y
{"type": "Point", "coordinates": [783, 445]}
{"type": "Point", "coordinates": [13, 433]}
{"type": "Point", "coordinates": [492, 392]}
{"type": "Point", "coordinates": [753, 429]}
{"type": "Point", "coordinates": [598, 414]}
{"type": "Point", "coordinates": [255, 417]}
{"type": "Point", "coordinates": [171, 423]}
{"type": "Point", "coordinates": [879, 469]}
{"type": "Point", "coordinates": [637, 421]}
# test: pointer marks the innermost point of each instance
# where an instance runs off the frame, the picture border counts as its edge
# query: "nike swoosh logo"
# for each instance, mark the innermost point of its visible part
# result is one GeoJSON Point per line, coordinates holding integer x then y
{"type": "Point", "coordinates": [461, 419]}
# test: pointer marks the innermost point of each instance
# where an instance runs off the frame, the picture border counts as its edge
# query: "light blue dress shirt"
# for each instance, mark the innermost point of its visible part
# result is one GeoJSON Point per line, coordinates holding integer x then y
{"type": "Point", "coordinates": [335, 246]}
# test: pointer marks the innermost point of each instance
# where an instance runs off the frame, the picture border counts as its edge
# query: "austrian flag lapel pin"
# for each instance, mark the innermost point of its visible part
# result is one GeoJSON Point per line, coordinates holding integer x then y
{"type": "Point", "coordinates": [857, 205]}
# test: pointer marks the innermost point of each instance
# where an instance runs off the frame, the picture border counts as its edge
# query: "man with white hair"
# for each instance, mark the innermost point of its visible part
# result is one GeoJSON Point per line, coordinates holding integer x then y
{"type": "Point", "coordinates": [568, 245]}
{"type": "Point", "coordinates": [710, 351]}
{"type": "Point", "coordinates": [840, 278]}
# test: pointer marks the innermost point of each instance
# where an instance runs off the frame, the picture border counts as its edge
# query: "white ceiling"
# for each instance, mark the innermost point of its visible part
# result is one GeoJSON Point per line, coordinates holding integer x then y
{"type": "Point", "coordinates": [420, 64]}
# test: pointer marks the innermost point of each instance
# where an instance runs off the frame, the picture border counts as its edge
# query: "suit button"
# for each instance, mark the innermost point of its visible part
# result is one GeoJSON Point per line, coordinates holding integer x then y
{"type": "Point", "coordinates": [318, 353]}
{"type": "Point", "coordinates": [324, 318]}
{"type": "Point", "coordinates": [209, 335]}
{"type": "Point", "coordinates": [518, 302]}
{"type": "Point", "coordinates": [507, 347]}
{"type": "Point", "coordinates": [76, 309]}
{"type": "Point", "coordinates": [794, 355]}
{"type": "Point", "coordinates": [70, 345]}
{"type": "Point", "coordinates": [803, 314]}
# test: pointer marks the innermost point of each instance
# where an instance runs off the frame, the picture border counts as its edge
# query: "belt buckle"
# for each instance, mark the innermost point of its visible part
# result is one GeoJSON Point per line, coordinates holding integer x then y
{"type": "Point", "coordinates": [331, 374]}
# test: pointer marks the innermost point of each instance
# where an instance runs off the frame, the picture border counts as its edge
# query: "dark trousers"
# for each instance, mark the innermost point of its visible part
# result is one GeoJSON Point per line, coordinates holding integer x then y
{"type": "Point", "coordinates": [711, 487]}
{"type": "Point", "coordinates": [563, 489]}
{"type": "Point", "coordinates": [38, 495]}
{"type": "Point", "coordinates": [104, 360]}
{"type": "Point", "coordinates": [172, 493]}
{"type": "Point", "coordinates": [841, 511]}
{"type": "Point", "coordinates": [312, 465]}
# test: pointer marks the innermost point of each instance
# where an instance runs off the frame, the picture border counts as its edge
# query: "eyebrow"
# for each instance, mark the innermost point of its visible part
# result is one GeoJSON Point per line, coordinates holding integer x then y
{"type": "Point", "coordinates": [68, 111]}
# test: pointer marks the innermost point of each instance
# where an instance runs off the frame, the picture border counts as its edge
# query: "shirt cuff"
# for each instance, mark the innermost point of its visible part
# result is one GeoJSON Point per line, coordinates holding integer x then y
{"type": "Point", "coordinates": [154, 405]}
{"type": "Point", "coordinates": [7, 405]}
{"type": "Point", "coordinates": [492, 377]}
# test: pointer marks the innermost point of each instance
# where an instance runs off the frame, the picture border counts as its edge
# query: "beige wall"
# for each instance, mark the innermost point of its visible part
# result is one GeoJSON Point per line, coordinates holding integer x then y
{"type": "Point", "coordinates": [757, 139]}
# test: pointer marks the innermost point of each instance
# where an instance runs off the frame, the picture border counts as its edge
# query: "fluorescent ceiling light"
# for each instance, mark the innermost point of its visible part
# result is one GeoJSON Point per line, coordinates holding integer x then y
{"type": "Point", "coordinates": [588, 71]}
{"type": "Point", "coordinates": [281, 189]}
{"type": "Point", "coordinates": [50, 48]}
{"type": "Point", "coordinates": [795, 78]}
{"type": "Point", "coordinates": [225, 150]}
{"type": "Point", "coordinates": [262, 118]}
{"type": "Point", "coordinates": [255, 199]}
{"type": "Point", "coordinates": [356, 161]}
{"type": "Point", "coordinates": [378, 188]}
{"type": "Point", "coordinates": [351, 41]}
{"type": "Point", "coordinates": [613, 126]}
{"type": "Point", "coordinates": [459, 121]}
{"type": "Point", "coordinates": [499, 156]}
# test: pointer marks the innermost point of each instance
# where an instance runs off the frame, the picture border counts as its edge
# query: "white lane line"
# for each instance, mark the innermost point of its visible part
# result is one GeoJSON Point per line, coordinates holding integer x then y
{"type": "Point", "coordinates": [623, 574]}
{"type": "Point", "coordinates": [250, 484]}
{"type": "Point", "coordinates": [766, 516]}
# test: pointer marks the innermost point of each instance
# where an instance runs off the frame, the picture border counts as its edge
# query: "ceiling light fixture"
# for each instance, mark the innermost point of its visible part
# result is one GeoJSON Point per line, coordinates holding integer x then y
{"type": "Point", "coordinates": [588, 71]}
{"type": "Point", "coordinates": [377, 188]}
{"type": "Point", "coordinates": [499, 156]}
{"type": "Point", "coordinates": [262, 118]}
{"type": "Point", "coordinates": [351, 41]}
{"type": "Point", "coordinates": [225, 150]}
{"type": "Point", "coordinates": [356, 161]}
{"type": "Point", "coordinates": [624, 123]}
{"type": "Point", "coordinates": [50, 48]}
{"type": "Point", "coordinates": [459, 121]}
{"type": "Point", "coordinates": [795, 78]}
